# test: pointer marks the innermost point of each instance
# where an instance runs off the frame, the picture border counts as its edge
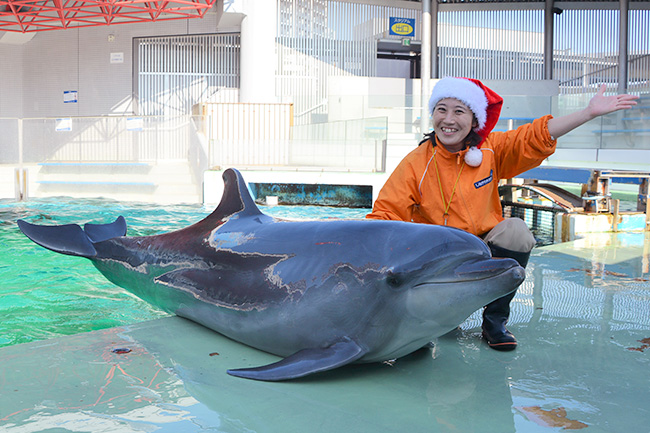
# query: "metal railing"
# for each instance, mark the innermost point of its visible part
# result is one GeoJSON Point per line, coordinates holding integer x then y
{"type": "Point", "coordinates": [263, 135]}
{"type": "Point", "coordinates": [98, 141]}
{"type": "Point", "coordinates": [357, 144]}
{"type": "Point", "coordinates": [247, 134]}
{"type": "Point", "coordinates": [629, 129]}
{"type": "Point", "coordinates": [106, 138]}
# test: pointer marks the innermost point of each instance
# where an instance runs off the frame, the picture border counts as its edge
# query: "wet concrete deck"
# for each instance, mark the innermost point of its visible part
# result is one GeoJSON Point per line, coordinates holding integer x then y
{"type": "Point", "coordinates": [582, 319]}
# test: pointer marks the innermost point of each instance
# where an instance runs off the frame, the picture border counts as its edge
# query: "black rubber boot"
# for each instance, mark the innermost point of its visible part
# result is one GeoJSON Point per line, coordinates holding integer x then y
{"type": "Point", "coordinates": [496, 313]}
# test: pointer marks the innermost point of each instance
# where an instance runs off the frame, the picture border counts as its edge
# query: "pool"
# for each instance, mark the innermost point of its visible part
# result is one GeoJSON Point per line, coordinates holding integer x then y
{"type": "Point", "coordinates": [45, 295]}
{"type": "Point", "coordinates": [582, 318]}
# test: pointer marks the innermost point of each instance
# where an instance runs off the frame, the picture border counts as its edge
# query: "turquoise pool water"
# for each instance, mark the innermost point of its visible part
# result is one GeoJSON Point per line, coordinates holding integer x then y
{"type": "Point", "coordinates": [45, 295]}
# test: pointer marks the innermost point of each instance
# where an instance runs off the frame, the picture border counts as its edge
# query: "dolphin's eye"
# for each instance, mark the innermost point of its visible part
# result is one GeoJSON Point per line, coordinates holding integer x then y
{"type": "Point", "coordinates": [393, 280]}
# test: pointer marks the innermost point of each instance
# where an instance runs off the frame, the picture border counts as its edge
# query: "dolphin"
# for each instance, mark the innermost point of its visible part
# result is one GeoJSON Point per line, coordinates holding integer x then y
{"type": "Point", "coordinates": [320, 294]}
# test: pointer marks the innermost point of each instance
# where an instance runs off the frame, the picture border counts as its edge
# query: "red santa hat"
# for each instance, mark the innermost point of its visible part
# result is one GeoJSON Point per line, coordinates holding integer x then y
{"type": "Point", "coordinates": [484, 102]}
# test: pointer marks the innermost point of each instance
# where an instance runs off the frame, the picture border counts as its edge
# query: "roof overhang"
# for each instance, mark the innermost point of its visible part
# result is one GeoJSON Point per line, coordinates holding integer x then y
{"type": "Point", "coordinates": [34, 16]}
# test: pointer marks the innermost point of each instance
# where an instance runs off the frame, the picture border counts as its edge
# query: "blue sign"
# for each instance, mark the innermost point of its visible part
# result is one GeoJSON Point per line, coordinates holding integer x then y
{"type": "Point", "coordinates": [401, 26]}
{"type": "Point", "coordinates": [70, 96]}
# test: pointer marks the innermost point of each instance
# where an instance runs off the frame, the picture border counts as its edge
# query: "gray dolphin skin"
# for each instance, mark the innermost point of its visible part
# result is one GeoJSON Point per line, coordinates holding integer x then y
{"type": "Point", "coordinates": [320, 294]}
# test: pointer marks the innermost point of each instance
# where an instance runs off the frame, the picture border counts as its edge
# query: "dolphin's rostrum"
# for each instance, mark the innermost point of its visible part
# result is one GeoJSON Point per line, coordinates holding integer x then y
{"type": "Point", "coordinates": [321, 294]}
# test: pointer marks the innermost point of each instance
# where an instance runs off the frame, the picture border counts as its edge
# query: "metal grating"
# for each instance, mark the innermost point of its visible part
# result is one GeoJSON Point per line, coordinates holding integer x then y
{"type": "Point", "coordinates": [540, 219]}
{"type": "Point", "coordinates": [177, 72]}
{"type": "Point", "coordinates": [34, 16]}
{"type": "Point", "coordinates": [317, 39]}
{"type": "Point", "coordinates": [482, 2]}
{"type": "Point", "coordinates": [585, 49]}
{"type": "Point", "coordinates": [489, 1]}
{"type": "Point", "coordinates": [639, 51]}
{"type": "Point", "coordinates": [492, 45]}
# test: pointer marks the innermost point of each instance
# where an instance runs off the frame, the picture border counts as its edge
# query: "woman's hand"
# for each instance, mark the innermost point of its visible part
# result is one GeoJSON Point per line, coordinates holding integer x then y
{"type": "Point", "coordinates": [598, 106]}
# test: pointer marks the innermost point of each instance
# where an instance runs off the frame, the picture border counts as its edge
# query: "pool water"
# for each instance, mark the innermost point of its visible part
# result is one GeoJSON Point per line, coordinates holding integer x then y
{"type": "Point", "coordinates": [44, 294]}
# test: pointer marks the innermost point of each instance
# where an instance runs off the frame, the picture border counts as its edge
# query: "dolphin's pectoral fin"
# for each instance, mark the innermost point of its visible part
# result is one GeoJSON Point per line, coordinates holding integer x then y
{"type": "Point", "coordinates": [104, 232]}
{"type": "Point", "coordinates": [305, 362]}
{"type": "Point", "coordinates": [67, 239]}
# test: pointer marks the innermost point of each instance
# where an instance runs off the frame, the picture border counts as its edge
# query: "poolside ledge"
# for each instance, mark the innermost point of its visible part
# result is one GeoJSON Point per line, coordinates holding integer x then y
{"type": "Point", "coordinates": [213, 182]}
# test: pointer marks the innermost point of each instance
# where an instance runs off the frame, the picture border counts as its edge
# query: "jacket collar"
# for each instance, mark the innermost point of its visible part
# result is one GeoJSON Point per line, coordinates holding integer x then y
{"type": "Point", "coordinates": [444, 153]}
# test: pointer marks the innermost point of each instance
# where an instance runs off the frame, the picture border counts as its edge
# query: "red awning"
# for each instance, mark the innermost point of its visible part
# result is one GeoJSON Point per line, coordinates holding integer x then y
{"type": "Point", "coordinates": [35, 16]}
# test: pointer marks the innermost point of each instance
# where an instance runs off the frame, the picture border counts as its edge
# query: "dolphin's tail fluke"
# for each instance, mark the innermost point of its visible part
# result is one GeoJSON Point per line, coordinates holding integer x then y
{"type": "Point", "coordinates": [71, 239]}
{"type": "Point", "coordinates": [103, 232]}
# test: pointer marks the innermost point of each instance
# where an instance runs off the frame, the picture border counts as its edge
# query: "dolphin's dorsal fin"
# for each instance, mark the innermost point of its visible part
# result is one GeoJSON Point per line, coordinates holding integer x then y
{"type": "Point", "coordinates": [305, 362]}
{"type": "Point", "coordinates": [236, 199]}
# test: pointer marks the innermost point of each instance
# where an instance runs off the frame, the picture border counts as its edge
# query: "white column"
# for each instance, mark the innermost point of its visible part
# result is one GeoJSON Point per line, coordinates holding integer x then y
{"type": "Point", "coordinates": [622, 46]}
{"type": "Point", "coordinates": [434, 39]}
{"type": "Point", "coordinates": [548, 39]}
{"type": "Point", "coordinates": [425, 64]}
{"type": "Point", "coordinates": [258, 56]}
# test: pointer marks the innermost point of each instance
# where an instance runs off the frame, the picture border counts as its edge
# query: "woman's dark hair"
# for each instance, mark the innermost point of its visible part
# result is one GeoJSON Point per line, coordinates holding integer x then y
{"type": "Point", "coordinates": [429, 136]}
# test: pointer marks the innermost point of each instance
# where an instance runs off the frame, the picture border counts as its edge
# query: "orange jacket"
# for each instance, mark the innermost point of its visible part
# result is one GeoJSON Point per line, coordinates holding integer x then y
{"type": "Point", "coordinates": [412, 192]}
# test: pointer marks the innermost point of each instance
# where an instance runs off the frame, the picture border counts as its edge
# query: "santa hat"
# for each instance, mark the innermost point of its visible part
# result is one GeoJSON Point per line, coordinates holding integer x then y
{"type": "Point", "coordinates": [483, 101]}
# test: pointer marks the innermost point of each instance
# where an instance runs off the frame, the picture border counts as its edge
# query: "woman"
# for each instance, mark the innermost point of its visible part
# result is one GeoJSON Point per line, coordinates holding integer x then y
{"type": "Point", "coordinates": [452, 177]}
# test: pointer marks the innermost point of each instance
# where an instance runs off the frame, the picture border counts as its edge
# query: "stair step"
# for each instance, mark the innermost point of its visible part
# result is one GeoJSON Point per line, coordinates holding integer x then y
{"type": "Point", "coordinates": [169, 182]}
{"type": "Point", "coordinates": [99, 182]}
{"type": "Point", "coordinates": [94, 164]}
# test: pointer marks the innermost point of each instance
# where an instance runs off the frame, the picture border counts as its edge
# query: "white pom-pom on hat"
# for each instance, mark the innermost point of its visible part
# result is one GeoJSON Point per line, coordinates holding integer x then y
{"type": "Point", "coordinates": [473, 156]}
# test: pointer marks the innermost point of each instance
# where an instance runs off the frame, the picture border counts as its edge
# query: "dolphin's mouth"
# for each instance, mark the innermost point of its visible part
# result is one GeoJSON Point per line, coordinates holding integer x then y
{"type": "Point", "coordinates": [447, 302]}
{"type": "Point", "coordinates": [476, 271]}
{"type": "Point", "coordinates": [487, 269]}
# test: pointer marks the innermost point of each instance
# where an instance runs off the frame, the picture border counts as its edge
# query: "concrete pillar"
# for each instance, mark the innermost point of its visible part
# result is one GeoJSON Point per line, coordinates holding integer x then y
{"type": "Point", "coordinates": [435, 73]}
{"type": "Point", "coordinates": [258, 55]}
{"type": "Point", "coordinates": [425, 65]}
{"type": "Point", "coordinates": [548, 40]}
{"type": "Point", "coordinates": [622, 46]}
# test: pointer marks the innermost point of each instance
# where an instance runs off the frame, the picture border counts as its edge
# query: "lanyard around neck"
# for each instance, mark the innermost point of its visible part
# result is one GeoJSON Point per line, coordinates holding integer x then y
{"type": "Point", "coordinates": [453, 191]}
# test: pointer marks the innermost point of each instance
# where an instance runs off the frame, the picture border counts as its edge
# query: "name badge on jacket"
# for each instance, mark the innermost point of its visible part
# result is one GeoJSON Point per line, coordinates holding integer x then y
{"type": "Point", "coordinates": [483, 182]}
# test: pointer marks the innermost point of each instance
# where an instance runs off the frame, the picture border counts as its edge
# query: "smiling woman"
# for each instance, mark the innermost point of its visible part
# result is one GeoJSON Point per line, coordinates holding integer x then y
{"type": "Point", "coordinates": [454, 121]}
{"type": "Point", "coordinates": [452, 177]}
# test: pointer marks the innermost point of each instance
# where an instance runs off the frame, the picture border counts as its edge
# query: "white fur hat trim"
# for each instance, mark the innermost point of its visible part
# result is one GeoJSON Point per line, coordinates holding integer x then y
{"type": "Point", "coordinates": [465, 91]}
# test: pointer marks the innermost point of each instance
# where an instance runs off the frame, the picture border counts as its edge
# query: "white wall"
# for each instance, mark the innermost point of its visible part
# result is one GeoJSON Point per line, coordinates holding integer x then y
{"type": "Point", "coordinates": [36, 73]}
{"type": "Point", "coordinates": [11, 71]}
